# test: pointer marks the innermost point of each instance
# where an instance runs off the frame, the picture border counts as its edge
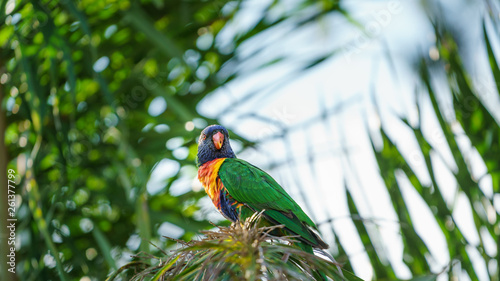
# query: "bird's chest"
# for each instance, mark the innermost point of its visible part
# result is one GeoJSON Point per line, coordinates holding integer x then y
{"type": "Point", "coordinates": [208, 176]}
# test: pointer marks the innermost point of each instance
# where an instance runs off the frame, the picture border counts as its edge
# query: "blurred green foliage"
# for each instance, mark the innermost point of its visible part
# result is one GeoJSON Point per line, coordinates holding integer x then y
{"type": "Point", "coordinates": [471, 121]}
{"type": "Point", "coordinates": [78, 79]}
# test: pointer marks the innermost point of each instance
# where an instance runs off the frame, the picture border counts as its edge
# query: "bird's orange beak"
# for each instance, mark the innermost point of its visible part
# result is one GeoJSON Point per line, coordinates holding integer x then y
{"type": "Point", "coordinates": [218, 140]}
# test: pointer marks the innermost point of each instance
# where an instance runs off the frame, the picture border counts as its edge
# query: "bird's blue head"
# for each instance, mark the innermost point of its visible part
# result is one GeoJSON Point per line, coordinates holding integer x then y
{"type": "Point", "coordinates": [214, 143]}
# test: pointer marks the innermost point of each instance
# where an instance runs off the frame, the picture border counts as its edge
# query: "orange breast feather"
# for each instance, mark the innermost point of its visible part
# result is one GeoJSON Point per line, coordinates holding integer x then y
{"type": "Point", "coordinates": [208, 176]}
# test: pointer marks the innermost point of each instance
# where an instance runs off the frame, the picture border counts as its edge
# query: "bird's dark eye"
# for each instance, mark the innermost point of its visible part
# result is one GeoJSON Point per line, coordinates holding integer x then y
{"type": "Point", "coordinates": [203, 137]}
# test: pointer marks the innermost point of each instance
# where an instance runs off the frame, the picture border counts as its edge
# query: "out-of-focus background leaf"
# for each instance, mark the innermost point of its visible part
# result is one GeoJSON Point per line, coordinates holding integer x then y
{"type": "Point", "coordinates": [78, 80]}
{"type": "Point", "coordinates": [102, 103]}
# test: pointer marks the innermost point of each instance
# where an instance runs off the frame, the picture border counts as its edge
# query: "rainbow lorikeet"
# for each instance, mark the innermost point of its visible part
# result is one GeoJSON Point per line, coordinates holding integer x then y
{"type": "Point", "coordinates": [238, 189]}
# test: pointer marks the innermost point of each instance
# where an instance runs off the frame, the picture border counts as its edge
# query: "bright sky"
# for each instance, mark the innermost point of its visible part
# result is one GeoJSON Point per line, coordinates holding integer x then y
{"type": "Point", "coordinates": [321, 164]}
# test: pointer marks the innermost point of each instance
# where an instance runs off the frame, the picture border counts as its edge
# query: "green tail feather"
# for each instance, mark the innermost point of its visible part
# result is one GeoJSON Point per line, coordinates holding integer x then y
{"type": "Point", "coordinates": [318, 275]}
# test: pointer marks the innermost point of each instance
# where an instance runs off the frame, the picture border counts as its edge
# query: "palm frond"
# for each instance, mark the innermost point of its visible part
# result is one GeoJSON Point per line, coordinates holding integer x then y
{"type": "Point", "coordinates": [242, 251]}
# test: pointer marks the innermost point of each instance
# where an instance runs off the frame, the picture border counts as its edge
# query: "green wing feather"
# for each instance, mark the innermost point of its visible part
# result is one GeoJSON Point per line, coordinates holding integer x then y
{"type": "Point", "coordinates": [258, 190]}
